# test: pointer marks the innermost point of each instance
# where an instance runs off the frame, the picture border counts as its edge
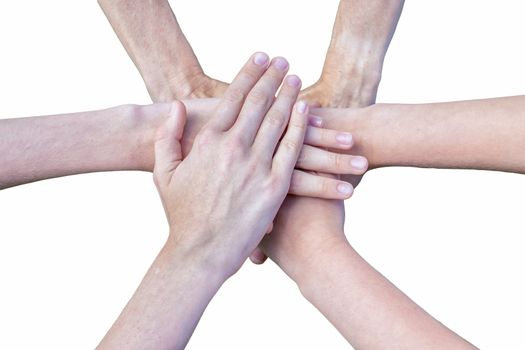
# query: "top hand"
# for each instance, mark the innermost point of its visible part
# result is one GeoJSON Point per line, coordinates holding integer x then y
{"type": "Point", "coordinates": [237, 174]}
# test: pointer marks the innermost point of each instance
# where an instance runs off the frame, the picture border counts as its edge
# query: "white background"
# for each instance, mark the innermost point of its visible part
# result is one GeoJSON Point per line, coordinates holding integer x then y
{"type": "Point", "coordinates": [73, 250]}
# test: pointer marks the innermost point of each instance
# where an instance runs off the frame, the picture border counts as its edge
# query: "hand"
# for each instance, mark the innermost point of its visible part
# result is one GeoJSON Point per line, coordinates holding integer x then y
{"type": "Point", "coordinates": [237, 174]}
{"type": "Point", "coordinates": [313, 156]}
{"type": "Point", "coordinates": [341, 90]}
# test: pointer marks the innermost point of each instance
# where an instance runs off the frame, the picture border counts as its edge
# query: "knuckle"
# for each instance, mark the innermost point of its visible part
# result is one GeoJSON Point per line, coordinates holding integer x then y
{"type": "Point", "coordinates": [260, 97]}
{"type": "Point", "coordinates": [290, 145]}
{"type": "Point", "coordinates": [235, 95]}
{"type": "Point", "coordinates": [276, 118]}
{"type": "Point", "coordinates": [302, 158]}
{"type": "Point", "coordinates": [290, 93]}
{"type": "Point", "coordinates": [235, 144]}
{"type": "Point", "coordinates": [324, 137]}
{"type": "Point", "coordinates": [251, 74]}
{"type": "Point", "coordinates": [337, 161]}
{"type": "Point", "coordinates": [295, 183]}
{"type": "Point", "coordinates": [324, 185]}
{"type": "Point", "coordinates": [298, 122]}
{"type": "Point", "coordinates": [205, 137]}
{"type": "Point", "coordinates": [275, 185]}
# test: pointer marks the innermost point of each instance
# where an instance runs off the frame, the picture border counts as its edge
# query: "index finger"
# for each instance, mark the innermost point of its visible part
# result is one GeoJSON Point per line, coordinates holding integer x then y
{"type": "Point", "coordinates": [233, 99]}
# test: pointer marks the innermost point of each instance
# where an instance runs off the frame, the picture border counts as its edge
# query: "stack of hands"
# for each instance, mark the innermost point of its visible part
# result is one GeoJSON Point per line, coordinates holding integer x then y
{"type": "Point", "coordinates": [249, 184]}
{"type": "Point", "coordinates": [259, 168]}
{"type": "Point", "coordinates": [247, 173]}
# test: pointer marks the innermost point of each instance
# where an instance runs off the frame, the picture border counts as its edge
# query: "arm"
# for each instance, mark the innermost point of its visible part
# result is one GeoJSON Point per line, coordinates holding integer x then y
{"type": "Point", "coordinates": [365, 307]}
{"type": "Point", "coordinates": [354, 61]}
{"type": "Point", "coordinates": [121, 138]}
{"type": "Point", "coordinates": [167, 306]}
{"type": "Point", "coordinates": [479, 134]}
{"type": "Point", "coordinates": [376, 315]}
{"type": "Point", "coordinates": [37, 148]}
{"type": "Point", "coordinates": [155, 42]}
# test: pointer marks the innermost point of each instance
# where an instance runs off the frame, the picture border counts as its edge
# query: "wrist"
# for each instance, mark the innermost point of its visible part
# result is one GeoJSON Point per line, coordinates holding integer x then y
{"type": "Point", "coordinates": [385, 136]}
{"type": "Point", "coordinates": [319, 271]}
{"type": "Point", "coordinates": [195, 260]}
{"type": "Point", "coordinates": [365, 126]}
{"type": "Point", "coordinates": [304, 261]}
{"type": "Point", "coordinates": [175, 83]}
{"type": "Point", "coordinates": [202, 253]}
{"type": "Point", "coordinates": [143, 122]}
{"type": "Point", "coordinates": [167, 82]}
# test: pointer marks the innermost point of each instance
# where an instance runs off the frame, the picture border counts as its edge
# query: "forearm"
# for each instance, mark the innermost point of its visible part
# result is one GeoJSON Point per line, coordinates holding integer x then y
{"type": "Point", "coordinates": [369, 311]}
{"type": "Point", "coordinates": [361, 35]}
{"type": "Point", "coordinates": [37, 148]}
{"type": "Point", "coordinates": [153, 39]}
{"type": "Point", "coordinates": [480, 134]}
{"type": "Point", "coordinates": [363, 29]}
{"type": "Point", "coordinates": [165, 309]}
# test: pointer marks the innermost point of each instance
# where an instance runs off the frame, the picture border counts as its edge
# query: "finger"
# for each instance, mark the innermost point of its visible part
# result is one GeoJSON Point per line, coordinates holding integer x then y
{"type": "Point", "coordinates": [233, 99]}
{"type": "Point", "coordinates": [317, 159]}
{"type": "Point", "coordinates": [276, 119]}
{"type": "Point", "coordinates": [292, 142]}
{"type": "Point", "coordinates": [328, 138]}
{"type": "Point", "coordinates": [332, 118]}
{"type": "Point", "coordinates": [315, 121]}
{"type": "Point", "coordinates": [259, 100]}
{"type": "Point", "coordinates": [168, 150]}
{"type": "Point", "coordinates": [311, 185]}
{"type": "Point", "coordinates": [258, 257]}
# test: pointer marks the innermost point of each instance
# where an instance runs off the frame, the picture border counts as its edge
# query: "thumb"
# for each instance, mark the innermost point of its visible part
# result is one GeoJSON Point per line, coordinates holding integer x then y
{"type": "Point", "coordinates": [168, 149]}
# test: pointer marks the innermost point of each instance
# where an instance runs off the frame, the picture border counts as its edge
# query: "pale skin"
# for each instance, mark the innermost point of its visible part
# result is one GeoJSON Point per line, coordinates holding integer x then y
{"type": "Point", "coordinates": [479, 134]}
{"type": "Point", "coordinates": [350, 77]}
{"type": "Point", "coordinates": [121, 138]}
{"type": "Point", "coordinates": [368, 310]}
{"type": "Point", "coordinates": [352, 69]}
{"type": "Point", "coordinates": [151, 35]}
{"type": "Point", "coordinates": [363, 29]}
{"type": "Point", "coordinates": [241, 170]}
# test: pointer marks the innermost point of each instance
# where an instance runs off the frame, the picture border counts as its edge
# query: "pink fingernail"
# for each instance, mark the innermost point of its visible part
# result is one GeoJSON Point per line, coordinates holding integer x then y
{"type": "Point", "coordinates": [345, 189]}
{"type": "Point", "coordinates": [301, 107]}
{"type": "Point", "coordinates": [260, 59]}
{"type": "Point", "coordinates": [315, 121]}
{"type": "Point", "coordinates": [359, 163]}
{"type": "Point", "coordinates": [293, 81]}
{"type": "Point", "coordinates": [344, 138]}
{"type": "Point", "coordinates": [280, 63]}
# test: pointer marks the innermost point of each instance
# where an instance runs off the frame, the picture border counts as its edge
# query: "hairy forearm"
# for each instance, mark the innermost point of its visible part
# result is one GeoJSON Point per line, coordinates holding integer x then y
{"type": "Point", "coordinates": [37, 148]}
{"type": "Point", "coordinates": [153, 39]}
{"type": "Point", "coordinates": [480, 134]}
{"type": "Point", "coordinates": [165, 309]}
{"type": "Point", "coordinates": [369, 311]}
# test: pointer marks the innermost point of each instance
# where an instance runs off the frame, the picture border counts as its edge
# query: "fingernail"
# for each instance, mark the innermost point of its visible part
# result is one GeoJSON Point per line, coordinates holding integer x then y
{"type": "Point", "coordinates": [359, 163]}
{"type": "Point", "coordinates": [315, 121]}
{"type": "Point", "coordinates": [345, 189]}
{"type": "Point", "coordinates": [260, 59]}
{"type": "Point", "coordinates": [294, 81]}
{"type": "Point", "coordinates": [301, 107]}
{"type": "Point", "coordinates": [344, 138]}
{"type": "Point", "coordinates": [280, 63]}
